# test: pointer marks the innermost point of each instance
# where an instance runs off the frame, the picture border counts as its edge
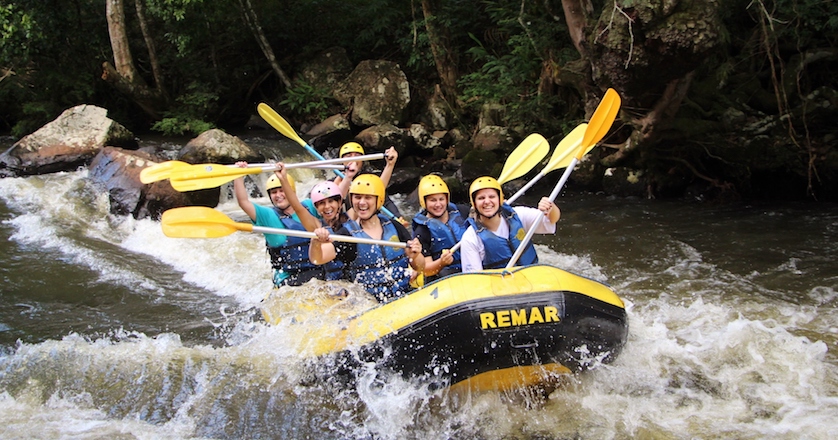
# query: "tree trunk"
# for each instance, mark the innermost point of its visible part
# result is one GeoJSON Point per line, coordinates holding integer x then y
{"type": "Point", "coordinates": [443, 53]}
{"type": "Point", "coordinates": [124, 62]}
{"type": "Point", "coordinates": [252, 21]}
{"type": "Point", "coordinates": [156, 71]}
{"type": "Point", "coordinates": [576, 18]}
{"type": "Point", "coordinates": [124, 76]}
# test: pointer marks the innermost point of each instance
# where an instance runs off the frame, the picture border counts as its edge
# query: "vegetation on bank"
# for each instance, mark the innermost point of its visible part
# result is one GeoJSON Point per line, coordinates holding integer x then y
{"type": "Point", "coordinates": [737, 96]}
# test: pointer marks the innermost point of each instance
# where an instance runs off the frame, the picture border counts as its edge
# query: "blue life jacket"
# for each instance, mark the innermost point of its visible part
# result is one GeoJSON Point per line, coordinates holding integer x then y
{"type": "Point", "coordinates": [292, 257]}
{"type": "Point", "coordinates": [444, 235]}
{"type": "Point", "coordinates": [499, 250]}
{"type": "Point", "coordinates": [381, 269]}
{"type": "Point", "coordinates": [333, 269]}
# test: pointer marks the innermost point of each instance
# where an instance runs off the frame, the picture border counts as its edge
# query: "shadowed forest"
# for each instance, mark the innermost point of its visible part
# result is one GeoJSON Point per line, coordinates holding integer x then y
{"type": "Point", "coordinates": [737, 97]}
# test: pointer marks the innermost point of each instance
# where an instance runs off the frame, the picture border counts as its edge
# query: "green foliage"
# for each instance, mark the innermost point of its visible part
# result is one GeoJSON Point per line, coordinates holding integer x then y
{"type": "Point", "coordinates": [176, 126]}
{"type": "Point", "coordinates": [509, 79]}
{"type": "Point", "coordinates": [17, 27]}
{"type": "Point", "coordinates": [189, 115]}
{"type": "Point", "coordinates": [507, 57]}
{"type": "Point", "coordinates": [307, 101]}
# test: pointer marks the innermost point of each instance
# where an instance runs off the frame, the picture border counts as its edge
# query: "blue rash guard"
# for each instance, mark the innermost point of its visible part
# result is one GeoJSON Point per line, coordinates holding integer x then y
{"type": "Point", "coordinates": [289, 255]}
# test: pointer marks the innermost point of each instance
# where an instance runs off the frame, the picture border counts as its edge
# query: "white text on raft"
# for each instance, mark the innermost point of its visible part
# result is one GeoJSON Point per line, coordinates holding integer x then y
{"type": "Point", "coordinates": [509, 318]}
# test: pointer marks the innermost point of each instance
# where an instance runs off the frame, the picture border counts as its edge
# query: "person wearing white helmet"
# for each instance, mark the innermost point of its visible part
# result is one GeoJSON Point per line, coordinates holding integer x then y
{"type": "Point", "coordinates": [496, 229]}
{"type": "Point", "coordinates": [289, 255]}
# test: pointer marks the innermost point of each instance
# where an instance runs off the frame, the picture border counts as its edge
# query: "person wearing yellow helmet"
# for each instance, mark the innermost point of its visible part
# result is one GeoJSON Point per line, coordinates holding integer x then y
{"type": "Point", "coordinates": [351, 149]}
{"type": "Point", "coordinates": [382, 270]}
{"type": "Point", "coordinates": [438, 226]}
{"type": "Point", "coordinates": [496, 229]}
{"type": "Point", "coordinates": [289, 255]}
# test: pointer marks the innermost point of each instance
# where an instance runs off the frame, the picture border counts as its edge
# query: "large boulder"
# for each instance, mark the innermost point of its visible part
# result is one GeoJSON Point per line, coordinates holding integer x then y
{"type": "Point", "coordinates": [377, 91]}
{"type": "Point", "coordinates": [381, 137]}
{"type": "Point", "coordinates": [70, 141]}
{"type": "Point", "coordinates": [494, 138]}
{"type": "Point", "coordinates": [327, 69]}
{"type": "Point", "coordinates": [216, 146]}
{"type": "Point", "coordinates": [118, 172]}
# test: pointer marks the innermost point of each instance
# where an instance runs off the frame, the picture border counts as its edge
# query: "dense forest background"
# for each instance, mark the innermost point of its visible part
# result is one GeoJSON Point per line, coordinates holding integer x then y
{"type": "Point", "coordinates": [737, 95]}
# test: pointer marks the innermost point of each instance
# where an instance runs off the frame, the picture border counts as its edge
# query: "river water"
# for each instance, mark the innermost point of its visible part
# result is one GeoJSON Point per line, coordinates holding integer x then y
{"type": "Point", "coordinates": [109, 329]}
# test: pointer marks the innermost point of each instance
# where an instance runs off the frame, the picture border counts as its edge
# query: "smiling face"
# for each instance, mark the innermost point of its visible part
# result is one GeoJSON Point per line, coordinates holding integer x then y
{"type": "Point", "coordinates": [364, 205]}
{"type": "Point", "coordinates": [487, 202]}
{"type": "Point", "coordinates": [329, 208]}
{"type": "Point", "coordinates": [436, 204]}
{"type": "Point", "coordinates": [277, 196]}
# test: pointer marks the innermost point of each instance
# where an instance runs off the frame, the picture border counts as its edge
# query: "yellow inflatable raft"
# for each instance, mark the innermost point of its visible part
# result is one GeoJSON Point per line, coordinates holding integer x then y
{"type": "Point", "coordinates": [496, 329]}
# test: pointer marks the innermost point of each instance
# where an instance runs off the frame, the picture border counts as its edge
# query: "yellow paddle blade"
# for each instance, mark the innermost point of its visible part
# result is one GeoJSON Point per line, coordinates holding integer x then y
{"type": "Point", "coordinates": [610, 117]}
{"type": "Point", "coordinates": [208, 175]}
{"type": "Point", "coordinates": [601, 121]}
{"type": "Point", "coordinates": [279, 123]}
{"type": "Point", "coordinates": [199, 222]}
{"type": "Point", "coordinates": [524, 158]}
{"type": "Point", "coordinates": [563, 153]}
{"type": "Point", "coordinates": [162, 170]}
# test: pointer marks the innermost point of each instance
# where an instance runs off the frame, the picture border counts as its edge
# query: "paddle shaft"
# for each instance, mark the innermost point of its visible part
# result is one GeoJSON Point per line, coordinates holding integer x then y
{"type": "Point", "coordinates": [306, 234]}
{"type": "Point", "coordinates": [534, 226]}
{"type": "Point", "coordinates": [203, 176]}
{"type": "Point", "coordinates": [325, 163]}
{"type": "Point", "coordinates": [524, 189]}
{"type": "Point", "coordinates": [281, 125]}
{"type": "Point", "coordinates": [601, 122]}
{"type": "Point", "coordinates": [386, 211]}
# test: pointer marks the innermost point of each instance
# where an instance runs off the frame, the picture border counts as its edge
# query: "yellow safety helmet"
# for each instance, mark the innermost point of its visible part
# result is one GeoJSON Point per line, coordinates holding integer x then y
{"type": "Point", "coordinates": [274, 182]}
{"type": "Point", "coordinates": [432, 184]}
{"type": "Point", "coordinates": [483, 183]}
{"type": "Point", "coordinates": [351, 147]}
{"type": "Point", "coordinates": [369, 184]}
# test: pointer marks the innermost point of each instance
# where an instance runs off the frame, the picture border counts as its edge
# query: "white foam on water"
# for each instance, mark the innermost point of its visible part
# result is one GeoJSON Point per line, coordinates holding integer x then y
{"type": "Point", "coordinates": [710, 354]}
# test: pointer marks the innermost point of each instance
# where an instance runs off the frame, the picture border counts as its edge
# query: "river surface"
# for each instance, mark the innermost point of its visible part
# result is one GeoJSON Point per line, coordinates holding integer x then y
{"type": "Point", "coordinates": [109, 329]}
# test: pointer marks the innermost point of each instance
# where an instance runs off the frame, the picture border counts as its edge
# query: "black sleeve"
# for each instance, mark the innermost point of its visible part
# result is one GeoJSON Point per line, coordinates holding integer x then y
{"type": "Point", "coordinates": [423, 234]}
{"type": "Point", "coordinates": [346, 252]}
{"type": "Point", "coordinates": [404, 234]}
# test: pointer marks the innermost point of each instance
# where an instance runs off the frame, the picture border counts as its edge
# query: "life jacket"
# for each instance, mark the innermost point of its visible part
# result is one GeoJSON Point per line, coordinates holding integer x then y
{"type": "Point", "coordinates": [499, 250]}
{"type": "Point", "coordinates": [292, 257]}
{"type": "Point", "coordinates": [381, 269]}
{"type": "Point", "coordinates": [333, 270]}
{"type": "Point", "coordinates": [444, 235]}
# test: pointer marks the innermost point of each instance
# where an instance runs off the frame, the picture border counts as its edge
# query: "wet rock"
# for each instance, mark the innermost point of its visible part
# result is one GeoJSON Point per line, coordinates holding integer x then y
{"type": "Point", "coordinates": [424, 139]}
{"type": "Point", "coordinates": [382, 137]}
{"type": "Point", "coordinates": [216, 146]}
{"type": "Point", "coordinates": [68, 142]}
{"type": "Point", "coordinates": [327, 69]}
{"type": "Point", "coordinates": [118, 171]}
{"type": "Point", "coordinates": [494, 138]}
{"type": "Point", "coordinates": [377, 91]}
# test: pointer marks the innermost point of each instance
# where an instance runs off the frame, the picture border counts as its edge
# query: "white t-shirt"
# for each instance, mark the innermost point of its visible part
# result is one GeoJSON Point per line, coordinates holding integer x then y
{"type": "Point", "coordinates": [473, 251]}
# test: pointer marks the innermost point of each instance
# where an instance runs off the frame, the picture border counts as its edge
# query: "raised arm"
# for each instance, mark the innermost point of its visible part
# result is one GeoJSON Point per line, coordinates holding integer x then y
{"type": "Point", "coordinates": [390, 156]}
{"type": "Point", "coordinates": [241, 194]}
{"type": "Point", "coordinates": [308, 221]}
